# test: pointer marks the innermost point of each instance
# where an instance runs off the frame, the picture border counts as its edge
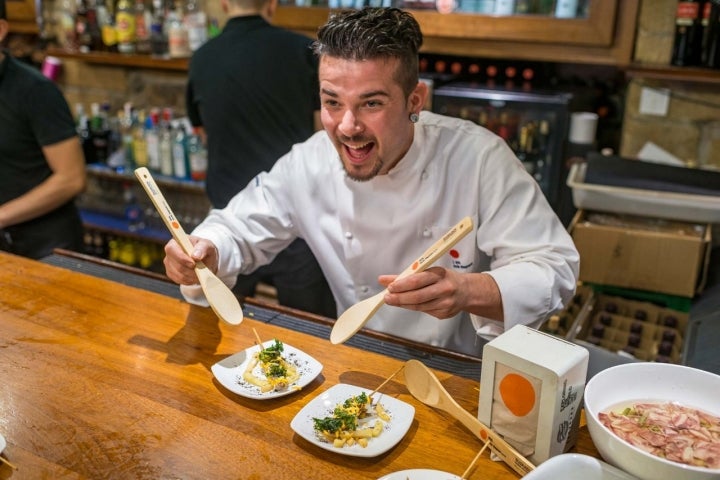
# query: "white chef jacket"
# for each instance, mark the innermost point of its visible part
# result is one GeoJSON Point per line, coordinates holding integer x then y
{"type": "Point", "coordinates": [359, 230]}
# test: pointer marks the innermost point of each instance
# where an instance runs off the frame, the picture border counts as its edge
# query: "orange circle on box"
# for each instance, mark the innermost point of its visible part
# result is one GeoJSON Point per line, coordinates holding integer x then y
{"type": "Point", "coordinates": [517, 394]}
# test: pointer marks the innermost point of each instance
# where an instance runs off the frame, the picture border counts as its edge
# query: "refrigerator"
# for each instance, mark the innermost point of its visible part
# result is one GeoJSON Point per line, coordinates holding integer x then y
{"type": "Point", "coordinates": [533, 123]}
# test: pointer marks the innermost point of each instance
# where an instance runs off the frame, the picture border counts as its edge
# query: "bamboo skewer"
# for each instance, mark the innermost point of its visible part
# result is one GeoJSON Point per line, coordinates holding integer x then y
{"type": "Point", "coordinates": [8, 463]}
{"type": "Point", "coordinates": [387, 380]}
{"type": "Point", "coordinates": [472, 464]}
{"type": "Point", "coordinates": [257, 339]}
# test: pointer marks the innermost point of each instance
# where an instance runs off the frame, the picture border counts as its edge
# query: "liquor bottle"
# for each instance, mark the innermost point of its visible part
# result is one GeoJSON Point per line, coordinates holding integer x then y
{"type": "Point", "coordinates": [143, 21]}
{"type": "Point", "coordinates": [486, 7]}
{"type": "Point", "coordinates": [524, 7]}
{"type": "Point", "coordinates": [125, 26]}
{"type": "Point", "coordinates": [65, 18]}
{"type": "Point", "coordinates": [93, 26]}
{"type": "Point", "coordinates": [688, 31]}
{"type": "Point", "coordinates": [153, 140]}
{"type": "Point", "coordinates": [710, 52]}
{"type": "Point", "coordinates": [196, 24]}
{"type": "Point", "coordinates": [178, 39]}
{"type": "Point", "coordinates": [165, 143]}
{"type": "Point", "coordinates": [197, 155]}
{"type": "Point", "coordinates": [566, 8]}
{"type": "Point", "coordinates": [99, 133]}
{"type": "Point", "coordinates": [181, 167]}
{"type": "Point", "coordinates": [140, 146]}
{"type": "Point", "coordinates": [106, 20]}
{"type": "Point", "coordinates": [82, 32]}
{"type": "Point", "coordinates": [158, 33]}
{"type": "Point", "coordinates": [544, 7]}
{"type": "Point", "coordinates": [504, 7]}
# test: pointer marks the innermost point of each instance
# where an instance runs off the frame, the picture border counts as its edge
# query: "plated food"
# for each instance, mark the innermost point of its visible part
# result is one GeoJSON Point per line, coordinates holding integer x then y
{"type": "Point", "coordinates": [344, 419]}
{"type": "Point", "coordinates": [668, 430]}
{"type": "Point", "coordinates": [271, 370]}
{"type": "Point", "coordinates": [621, 386]}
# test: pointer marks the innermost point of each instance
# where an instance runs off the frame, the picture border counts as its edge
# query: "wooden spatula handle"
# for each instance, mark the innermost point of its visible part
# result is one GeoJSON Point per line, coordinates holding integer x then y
{"type": "Point", "coordinates": [440, 248]}
{"type": "Point", "coordinates": [161, 205]}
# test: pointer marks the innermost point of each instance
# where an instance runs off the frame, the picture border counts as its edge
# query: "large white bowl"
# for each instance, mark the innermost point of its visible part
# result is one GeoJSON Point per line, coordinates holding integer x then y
{"type": "Point", "coordinates": [631, 382]}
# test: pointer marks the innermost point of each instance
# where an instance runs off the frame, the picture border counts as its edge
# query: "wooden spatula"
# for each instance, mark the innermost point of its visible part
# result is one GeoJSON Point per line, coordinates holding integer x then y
{"type": "Point", "coordinates": [358, 315]}
{"type": "Point", "coordinates": [221, 299]}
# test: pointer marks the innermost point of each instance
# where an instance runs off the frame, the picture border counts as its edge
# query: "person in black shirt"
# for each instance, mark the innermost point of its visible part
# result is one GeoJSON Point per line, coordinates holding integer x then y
{"type": "Point", "coordinates": [42, 167]}
{"type": "Point", "coordinates": [252, 93]}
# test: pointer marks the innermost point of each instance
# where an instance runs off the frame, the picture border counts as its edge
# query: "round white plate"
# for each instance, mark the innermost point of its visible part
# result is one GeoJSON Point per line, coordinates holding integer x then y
{"type": "Point", "coordinates": [576, 465]}
{"type": "Point", "coordinates": [401, 417]}
{"type": "Point", "coordinates": [229, 372]}
{"type": "Point", "coordinates": [420, 474]}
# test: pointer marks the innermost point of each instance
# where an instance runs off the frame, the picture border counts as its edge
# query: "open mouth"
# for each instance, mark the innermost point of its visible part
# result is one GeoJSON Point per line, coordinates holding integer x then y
{"type": "Point", "coordinates": [358, 154]}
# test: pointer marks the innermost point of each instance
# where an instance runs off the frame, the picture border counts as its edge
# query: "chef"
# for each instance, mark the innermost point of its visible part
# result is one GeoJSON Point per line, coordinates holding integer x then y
{"type": "Point", "coordinates": [381, 183]}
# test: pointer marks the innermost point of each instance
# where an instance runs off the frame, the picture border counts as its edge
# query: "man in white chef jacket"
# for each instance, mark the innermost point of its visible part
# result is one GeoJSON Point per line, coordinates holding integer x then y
{"type": "Point", "coordinates": [382, 183]}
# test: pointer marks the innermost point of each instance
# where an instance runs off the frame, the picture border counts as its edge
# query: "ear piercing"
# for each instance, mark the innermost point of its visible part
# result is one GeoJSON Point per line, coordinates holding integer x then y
{"type": "Point", "coordinates": [414, 117]}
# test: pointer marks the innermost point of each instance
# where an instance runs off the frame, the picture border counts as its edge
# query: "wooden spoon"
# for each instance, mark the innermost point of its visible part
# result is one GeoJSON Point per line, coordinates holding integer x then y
{"type": "Point", "coordinates": [425, 386]}
{"type": "Point", "coordinates": [355, 317]}
{"type": "Point", "coordinates": [221, 299]}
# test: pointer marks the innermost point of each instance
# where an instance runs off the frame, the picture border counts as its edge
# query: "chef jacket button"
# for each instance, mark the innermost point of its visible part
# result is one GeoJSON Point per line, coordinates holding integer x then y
{"type": "Point", "coordinates": [426, 232]}
{"type": "Point", "coordinates": [364, 289]}
{"type": "Point", "coordinates": [348, 235]}
{"type": "Point", "coordinates": [424, 175]}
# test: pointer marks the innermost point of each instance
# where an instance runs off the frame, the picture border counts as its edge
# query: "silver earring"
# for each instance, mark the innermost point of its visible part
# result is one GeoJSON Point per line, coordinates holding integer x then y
{"type": "Point", "coordinates": [414, 117]}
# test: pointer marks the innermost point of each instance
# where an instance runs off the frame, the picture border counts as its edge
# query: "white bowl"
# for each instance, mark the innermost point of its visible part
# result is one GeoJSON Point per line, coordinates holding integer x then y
{"type": "Point", "coordinates": [624, 384]}
{"type": "Point", "coordinates": [576, 465]}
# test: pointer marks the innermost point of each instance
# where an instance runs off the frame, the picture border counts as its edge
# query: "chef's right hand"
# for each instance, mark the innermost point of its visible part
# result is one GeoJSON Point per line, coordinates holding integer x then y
{"type": "Point", "coordinates": [180, 268]}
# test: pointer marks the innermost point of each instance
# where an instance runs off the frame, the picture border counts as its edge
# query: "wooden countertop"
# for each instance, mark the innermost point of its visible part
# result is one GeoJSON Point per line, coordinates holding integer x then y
{"type": "Point", "coordinates": [104, 380]}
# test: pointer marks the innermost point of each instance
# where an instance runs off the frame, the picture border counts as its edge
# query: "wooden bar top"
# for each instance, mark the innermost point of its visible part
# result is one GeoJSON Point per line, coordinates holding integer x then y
{"type": "Point", "coordinates": [104, 380]}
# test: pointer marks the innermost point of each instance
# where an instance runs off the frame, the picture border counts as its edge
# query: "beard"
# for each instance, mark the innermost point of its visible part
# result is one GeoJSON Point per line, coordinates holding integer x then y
{"type": "Point", "coordinates": [366, 176]}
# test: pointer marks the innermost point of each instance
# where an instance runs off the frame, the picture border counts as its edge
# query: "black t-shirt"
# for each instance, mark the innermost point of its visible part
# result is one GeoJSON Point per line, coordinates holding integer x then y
{"type": "Point", "coordinates": [254, 89]}
{"type": "Point", "coordinates": [33, 114]}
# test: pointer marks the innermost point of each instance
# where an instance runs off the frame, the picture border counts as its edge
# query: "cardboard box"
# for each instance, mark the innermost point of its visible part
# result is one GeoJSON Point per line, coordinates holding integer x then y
{"type": "Point", "coordinates": [531, 391]}
{"type": "Point", "coordinates": [642, 253]}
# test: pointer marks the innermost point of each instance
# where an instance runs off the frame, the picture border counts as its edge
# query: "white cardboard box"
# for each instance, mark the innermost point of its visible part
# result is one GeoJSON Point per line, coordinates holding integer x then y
{"type": "Point", "coordinates": [531, 391]}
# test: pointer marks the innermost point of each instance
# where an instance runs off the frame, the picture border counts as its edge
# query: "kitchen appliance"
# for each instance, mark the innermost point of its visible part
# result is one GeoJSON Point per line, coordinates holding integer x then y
{"type": "Point", "coordinates": [533, 123]}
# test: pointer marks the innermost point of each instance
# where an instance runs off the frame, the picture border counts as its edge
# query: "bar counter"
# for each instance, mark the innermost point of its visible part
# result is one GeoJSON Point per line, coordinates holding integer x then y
{"type": "Point", "coordinates": [105, 380]}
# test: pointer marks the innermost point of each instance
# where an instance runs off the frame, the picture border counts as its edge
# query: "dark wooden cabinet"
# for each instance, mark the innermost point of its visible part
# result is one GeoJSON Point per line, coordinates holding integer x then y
{"type": "Point", "coordinates": [22, 16]}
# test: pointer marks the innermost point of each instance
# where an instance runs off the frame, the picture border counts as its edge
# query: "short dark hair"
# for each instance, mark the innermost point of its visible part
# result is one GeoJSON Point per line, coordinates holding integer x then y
{"type": "Point", "coordinates": [373, 33]}
{"type": "Point", "coordinates": [3, 15]}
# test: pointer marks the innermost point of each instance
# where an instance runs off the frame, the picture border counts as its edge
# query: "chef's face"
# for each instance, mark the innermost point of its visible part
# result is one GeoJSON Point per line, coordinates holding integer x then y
{"type": "Point", "coordinates": [366, 113]}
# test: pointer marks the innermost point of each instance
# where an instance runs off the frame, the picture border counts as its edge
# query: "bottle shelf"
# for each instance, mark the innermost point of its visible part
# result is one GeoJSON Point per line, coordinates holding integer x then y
{"type": "Point", "coordinates": [121, 227]}
{"type": "Point", "coordinates": [177, 184]}
{"type": "Point", "coordinates": [694, 75]}
{"type": "Point", "coordinates": [123, 60]}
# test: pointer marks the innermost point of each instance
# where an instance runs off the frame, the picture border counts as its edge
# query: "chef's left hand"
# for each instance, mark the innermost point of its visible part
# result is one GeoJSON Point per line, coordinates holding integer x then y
{"type": "Point", "coordinates": [444, 293]}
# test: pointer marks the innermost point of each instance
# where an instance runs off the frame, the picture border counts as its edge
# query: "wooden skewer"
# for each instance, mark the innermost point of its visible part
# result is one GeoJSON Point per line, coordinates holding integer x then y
{"type": "Point", "coordinates": [257, 339]}
{"type": "Point", "coordinates": [472, 464]}
{"type": "Point", "coordinates": [387, 380]}
{"type": "Point", "coordinates": [8, 463]}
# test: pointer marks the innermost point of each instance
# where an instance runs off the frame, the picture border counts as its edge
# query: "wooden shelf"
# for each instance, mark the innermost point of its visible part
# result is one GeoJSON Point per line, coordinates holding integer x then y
{"type": "Point", "coordinates": [605, 37]}
{"type": "Point", "coordinates": [675, 74]}
{"type": "Point", "coordinates": [24, 27]}
{"type": "Point", "coordinates": [123, 60]}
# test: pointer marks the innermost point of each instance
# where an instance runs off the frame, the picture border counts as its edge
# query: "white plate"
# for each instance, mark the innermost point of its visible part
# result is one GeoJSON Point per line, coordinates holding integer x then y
{"type": "Point", "coordinates": [401, 417]}
{"type": "Point", "coordinates": [420, 474]}
{"type": "Point", "coordinates": [3, 443]}
{"type": "Point", "coordinates": [575, 465]}
{"type": "Point", "coordinates": [229, 371]}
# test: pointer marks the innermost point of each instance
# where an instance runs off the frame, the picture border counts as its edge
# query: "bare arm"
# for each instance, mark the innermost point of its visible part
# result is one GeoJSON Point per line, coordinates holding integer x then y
{"type": "Point", "coordinates": [443, 293]}
{"type": "Point", "coordinates": [67, 180]}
